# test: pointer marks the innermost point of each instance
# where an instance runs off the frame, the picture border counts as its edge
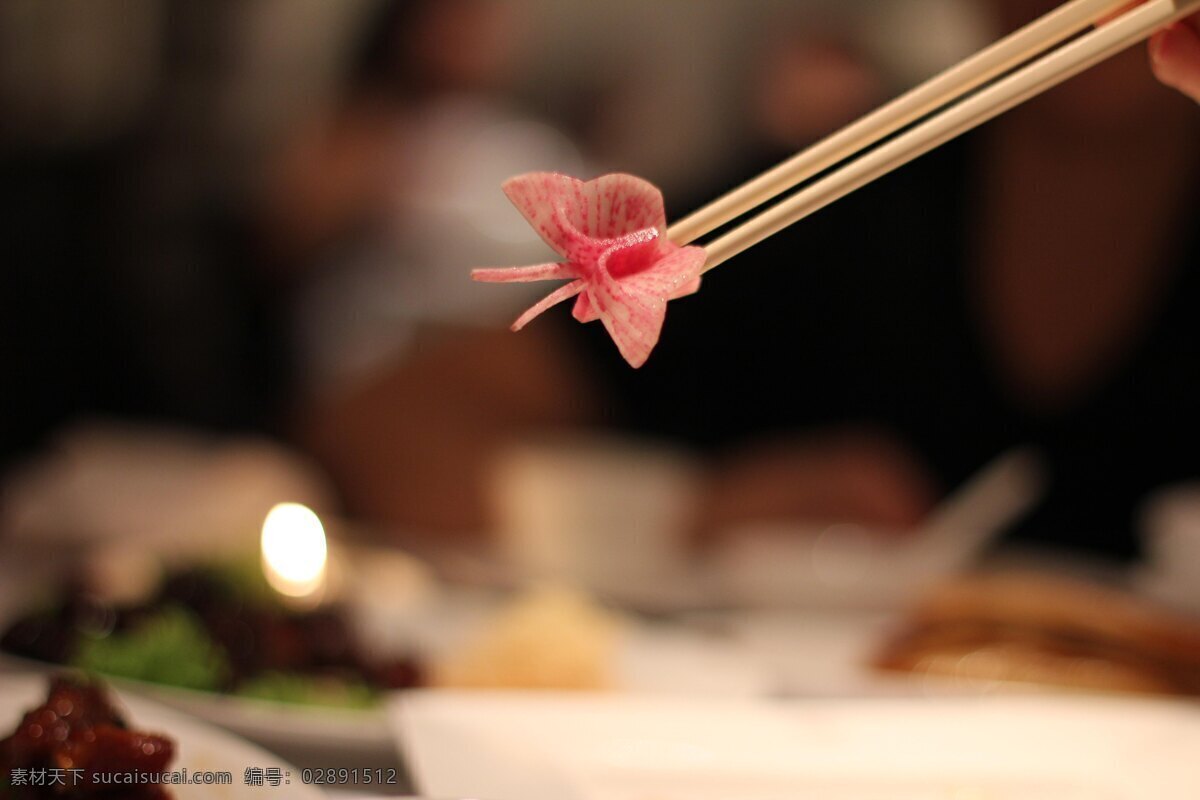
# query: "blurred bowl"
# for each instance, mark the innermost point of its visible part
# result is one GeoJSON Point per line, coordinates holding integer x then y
{"type": "Point", "coordinates": [834, 566]}
{"type": "Point", "coordinates": [608, 515]}
{"type": "Point", "coordinates": [851, 566]}
{"type": "Point", "coordinates": [1170, 530]}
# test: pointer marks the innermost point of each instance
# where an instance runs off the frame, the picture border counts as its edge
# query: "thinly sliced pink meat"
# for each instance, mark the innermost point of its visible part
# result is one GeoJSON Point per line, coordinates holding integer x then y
{"type": "Point", "coordinates": [583, 310]}
{"type": "Point", "coordinates": [538, 272]}
{"type": "Point", "coordinates": [633, 309]}
{"type": "Point", "coordinates": [560, 295]}
{"type": "Point", "coordinates": [671, 276]}
{"type": "Point", "coordinates": [674, 276]}
{"type": "Point", "coordinates": [634, 321]}
{"type": "Point", "coordinates": [618, 260]}
{"type": "Point", "coordinates": [560, 207]}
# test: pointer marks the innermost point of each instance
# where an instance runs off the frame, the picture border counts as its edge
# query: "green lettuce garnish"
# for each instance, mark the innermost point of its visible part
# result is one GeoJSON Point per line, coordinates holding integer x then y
{"type": "Point", "coordinates": [171, 647]}
{"type": "Point", "coordinates": [329, 692]}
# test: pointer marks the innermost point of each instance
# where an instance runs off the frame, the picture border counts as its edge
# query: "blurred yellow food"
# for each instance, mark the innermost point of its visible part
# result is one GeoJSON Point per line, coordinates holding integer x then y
{"type": "Point", "coordinates": [548, 637]}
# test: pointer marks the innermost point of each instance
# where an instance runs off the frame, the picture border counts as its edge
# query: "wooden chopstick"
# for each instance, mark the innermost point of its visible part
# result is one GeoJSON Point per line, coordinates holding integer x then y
{"type": "Point", "coordinates": [1037, 37]}
{"type": "Point", "coordinates": [987, 103]}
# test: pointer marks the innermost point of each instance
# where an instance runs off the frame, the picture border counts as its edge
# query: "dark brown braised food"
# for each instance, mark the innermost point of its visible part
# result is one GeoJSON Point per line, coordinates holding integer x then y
{"type": "Point", "coordinates": [72, 738]}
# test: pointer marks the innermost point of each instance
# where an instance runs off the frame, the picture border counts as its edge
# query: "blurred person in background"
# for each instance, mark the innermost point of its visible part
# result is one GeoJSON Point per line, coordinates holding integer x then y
{"type": "Point", "coordinates": [1027, 284]}
{"type": "Point", "coordinates": [409, 380]}
{"type": "Point", "coordinates": [131, 285]}
{"type": "Point", "coordinates": [153, 260]}
{"type": "Point", "coordinates": [808, 82]}
{"type": "Point", "coordinates": [1002, 291]}
{"type": "Point", "coordinates": [146, 370]}
{"type": "Point", "coordinates": [413, 398]}
{"type": "Point", "coordinates": [1032, 283]}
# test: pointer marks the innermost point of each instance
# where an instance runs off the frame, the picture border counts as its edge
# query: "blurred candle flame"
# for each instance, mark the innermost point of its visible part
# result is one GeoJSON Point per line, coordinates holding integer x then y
{"type": "Point", "coordinates": [294, 551]}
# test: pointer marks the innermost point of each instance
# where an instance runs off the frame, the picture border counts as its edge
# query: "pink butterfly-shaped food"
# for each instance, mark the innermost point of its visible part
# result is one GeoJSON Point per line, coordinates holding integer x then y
{"type": "Point", "coordinates": [620, 265]}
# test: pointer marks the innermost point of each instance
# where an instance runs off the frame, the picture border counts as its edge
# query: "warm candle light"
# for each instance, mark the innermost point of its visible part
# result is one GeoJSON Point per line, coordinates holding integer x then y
{"type": "Point", "coordinates": [294, 551]}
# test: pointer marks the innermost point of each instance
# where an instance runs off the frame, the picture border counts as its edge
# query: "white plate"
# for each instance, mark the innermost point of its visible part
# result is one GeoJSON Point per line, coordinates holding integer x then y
{"type": "Point", "coordinates": [275, 724]}
{"type": "Point", "coordinates": [271, 724]}
{"type": "Point", "coordinates": [653, 659]}
{"type": "Point", "coordinates": [198, 746]}
{"type": "Point", "coordinates": [627, 748]}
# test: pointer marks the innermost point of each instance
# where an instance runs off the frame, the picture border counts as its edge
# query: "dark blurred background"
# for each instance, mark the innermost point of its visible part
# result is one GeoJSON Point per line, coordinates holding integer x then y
{"type": "Point", "coordinates": [149, 267]}
{"type": "Point", "coordinates": [258, 216]}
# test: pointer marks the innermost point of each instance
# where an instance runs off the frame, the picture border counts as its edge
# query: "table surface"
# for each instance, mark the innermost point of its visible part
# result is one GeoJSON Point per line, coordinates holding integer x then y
{"type": "Point", "coordinates": [792, 653]}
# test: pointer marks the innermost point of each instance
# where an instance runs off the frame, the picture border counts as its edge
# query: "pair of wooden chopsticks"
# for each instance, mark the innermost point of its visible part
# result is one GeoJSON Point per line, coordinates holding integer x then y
{"type": "Point", "coordinates": [1034, 59]}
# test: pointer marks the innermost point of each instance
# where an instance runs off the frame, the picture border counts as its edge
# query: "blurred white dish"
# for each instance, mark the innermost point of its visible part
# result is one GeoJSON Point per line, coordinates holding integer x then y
{"type": "Point", "coordinates": [512, 747]}
{"type": "Point", "coordinates": [198, 746]}
{"type": "Point", "coordinates": [848, 566]}
{"type": "Point", "coordinates": [1170, 530]}
{"type": "Point", "coordinates": [277, 725]}
{"type": "Point", "coordinates": [171, 492]}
